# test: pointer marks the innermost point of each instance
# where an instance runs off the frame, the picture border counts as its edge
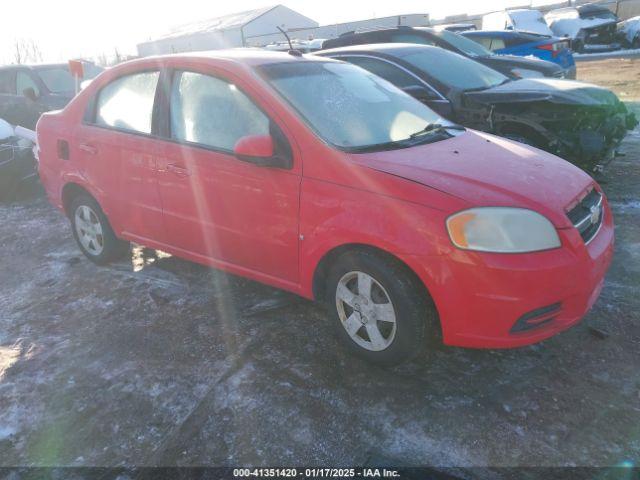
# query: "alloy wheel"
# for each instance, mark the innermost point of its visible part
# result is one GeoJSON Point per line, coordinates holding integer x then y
{"type": "Point", "coordinates": [366, 311]}
{"type": "Point", "coordinates": [89, 230]}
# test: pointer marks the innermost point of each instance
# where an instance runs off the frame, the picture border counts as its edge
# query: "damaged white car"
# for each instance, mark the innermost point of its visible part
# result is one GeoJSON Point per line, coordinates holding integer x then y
{"type": "Point", "coordinates": [590, 27]}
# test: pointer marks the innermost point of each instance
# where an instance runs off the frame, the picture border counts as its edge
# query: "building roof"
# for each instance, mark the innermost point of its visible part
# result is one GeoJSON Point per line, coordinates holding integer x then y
{"type": "Point", "coordinates": [226, 22]}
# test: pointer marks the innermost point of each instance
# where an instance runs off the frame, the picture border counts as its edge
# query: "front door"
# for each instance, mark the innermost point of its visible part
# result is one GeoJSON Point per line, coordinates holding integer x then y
{"type": "Point", "coordinates": [215, 205]}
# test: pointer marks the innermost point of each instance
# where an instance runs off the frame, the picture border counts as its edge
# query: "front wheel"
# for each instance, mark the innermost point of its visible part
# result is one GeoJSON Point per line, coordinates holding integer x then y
{"type": "Point", "coordinates": [380, 312]}
{"type": "Point", "coordinates": [92, 231]}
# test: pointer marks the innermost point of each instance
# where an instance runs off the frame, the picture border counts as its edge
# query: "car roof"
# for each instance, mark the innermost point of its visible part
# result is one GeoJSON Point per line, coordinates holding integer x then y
{"type": "Point", "coordinates": [39, 66]}
{"type": "Point", "coordinates": [238, 56]}
{"type": "Point", "coordinates": [502, 33]}
{"type": "Point", "coordinates": [388, 48]}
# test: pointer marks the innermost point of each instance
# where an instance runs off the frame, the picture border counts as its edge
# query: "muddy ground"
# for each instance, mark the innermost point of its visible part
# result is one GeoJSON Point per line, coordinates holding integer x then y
{"type": "Point", "coordinates": [162, 362]}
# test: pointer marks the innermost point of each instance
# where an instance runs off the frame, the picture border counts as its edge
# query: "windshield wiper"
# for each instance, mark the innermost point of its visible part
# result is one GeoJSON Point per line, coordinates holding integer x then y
{"type": "Point", "coordinates": [435, 127]}
{"type": "Point", "coordinates": [408, 142]}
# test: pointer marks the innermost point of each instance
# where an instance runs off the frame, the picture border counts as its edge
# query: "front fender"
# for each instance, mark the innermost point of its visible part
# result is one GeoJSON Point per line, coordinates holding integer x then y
{"type": "Point", "coordinates": [333, 215]}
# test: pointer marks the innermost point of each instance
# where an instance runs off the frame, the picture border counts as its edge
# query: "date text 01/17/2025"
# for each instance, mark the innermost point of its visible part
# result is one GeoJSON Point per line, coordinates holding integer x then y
{"type": "Point", "coordinates": [315, 473]}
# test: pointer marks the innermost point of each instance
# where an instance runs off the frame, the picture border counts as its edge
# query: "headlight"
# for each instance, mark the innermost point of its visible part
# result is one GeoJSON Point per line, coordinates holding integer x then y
{"type": "Point", "coordinates": [502, 230]}
{"type": "Point", "coordinates": [526, 73]}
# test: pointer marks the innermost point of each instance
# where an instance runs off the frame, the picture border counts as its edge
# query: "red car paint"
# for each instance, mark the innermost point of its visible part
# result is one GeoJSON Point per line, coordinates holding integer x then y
{"type": "Point", "coordinates": [276, 225]}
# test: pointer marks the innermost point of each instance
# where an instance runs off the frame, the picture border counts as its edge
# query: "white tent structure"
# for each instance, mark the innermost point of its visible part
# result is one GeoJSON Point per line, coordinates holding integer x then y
{"type": "Point", "coordinates": [236, 30]}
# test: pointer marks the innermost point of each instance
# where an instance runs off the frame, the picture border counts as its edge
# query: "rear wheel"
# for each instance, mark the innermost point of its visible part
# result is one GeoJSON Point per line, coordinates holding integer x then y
{"type": "Point", "coordinates": [379, 311]}
{"type": "Point", "coordinates": [92, 231]}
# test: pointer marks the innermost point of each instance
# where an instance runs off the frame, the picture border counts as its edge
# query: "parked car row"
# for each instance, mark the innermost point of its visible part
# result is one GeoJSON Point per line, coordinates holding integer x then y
{"type": "Point", "coordinates": [509, 65]}
{"type": "Point", "coordinates": [314, 175]}
{"type": "Point", "coordinates": [589, 28]}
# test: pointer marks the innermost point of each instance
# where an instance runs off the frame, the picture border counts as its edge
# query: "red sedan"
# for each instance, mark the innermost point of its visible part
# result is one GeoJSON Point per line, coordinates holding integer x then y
{"type": "Point", "coordinates": [320, 178]}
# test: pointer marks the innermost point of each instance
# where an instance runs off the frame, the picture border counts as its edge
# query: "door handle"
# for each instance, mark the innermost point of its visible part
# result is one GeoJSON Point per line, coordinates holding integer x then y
{"type": "Point", "coordinates": [178, 170]}
{"type": "Point", "coordinates": [90, 149]}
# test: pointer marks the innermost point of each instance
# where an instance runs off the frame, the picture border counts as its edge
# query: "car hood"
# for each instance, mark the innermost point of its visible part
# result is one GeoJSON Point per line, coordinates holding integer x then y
{"type": "Point", "coordinates": [570, 27]}
{"type": "Point", "coordinates": [485, 170]}
{"type": "Point", "coordinates": [509, 62]}
{"type": "Point", "coordinates": [565, 92]}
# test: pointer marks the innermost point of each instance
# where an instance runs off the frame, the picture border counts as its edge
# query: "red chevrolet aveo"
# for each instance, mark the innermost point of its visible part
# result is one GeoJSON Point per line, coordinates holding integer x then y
{"type": "Point", "coordinates": [315, 176]}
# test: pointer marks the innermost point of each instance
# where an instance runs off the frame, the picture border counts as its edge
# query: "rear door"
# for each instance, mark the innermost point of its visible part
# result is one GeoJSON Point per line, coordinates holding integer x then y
{"type": "Point", "coordinates": [215, 205]}
{"type": "Point", "coordinates": [118, 152]}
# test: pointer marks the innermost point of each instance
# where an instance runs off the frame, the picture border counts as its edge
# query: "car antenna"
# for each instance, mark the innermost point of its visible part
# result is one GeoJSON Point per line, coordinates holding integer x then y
{"type": "Point", "coordinates": [292, 51]}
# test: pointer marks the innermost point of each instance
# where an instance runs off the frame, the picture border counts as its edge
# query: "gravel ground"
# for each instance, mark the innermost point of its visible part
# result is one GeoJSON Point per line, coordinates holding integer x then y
{"type": "Point", "coordinates": [156, 361]}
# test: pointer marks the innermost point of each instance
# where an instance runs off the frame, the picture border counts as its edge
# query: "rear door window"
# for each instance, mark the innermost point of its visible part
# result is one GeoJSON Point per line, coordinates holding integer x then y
{"type": "Point", "coordinates": [7, 82]}
{"type": "Point", "coordinates": [24, 81]}
{"type": "Point", "coordinates": [212, 112]}
{"type": "Point", "coordinates": [127, 103]}
{"type": "Point", "coordinates": [497, 44]}
{"type": "Point", "coordinates": [484, 41]}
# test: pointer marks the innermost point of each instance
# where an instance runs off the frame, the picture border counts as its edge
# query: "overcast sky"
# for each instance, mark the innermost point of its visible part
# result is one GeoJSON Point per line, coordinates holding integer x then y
{"type": "Point", "coordinates": [72, 28]}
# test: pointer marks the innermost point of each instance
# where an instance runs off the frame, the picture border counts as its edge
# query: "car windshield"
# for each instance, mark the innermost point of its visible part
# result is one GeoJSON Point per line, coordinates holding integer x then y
{"type": "Point", "coordinates": [469, 47]}
{"type": "Point", "coordinates": [59, 80]}
{"type": "Point", "coordinates": [351, 108]}
{"type": "Point", "coordinates": [453, 70]}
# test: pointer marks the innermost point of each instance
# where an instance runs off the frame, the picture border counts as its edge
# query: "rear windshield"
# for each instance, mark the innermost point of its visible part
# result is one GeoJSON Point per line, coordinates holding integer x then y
{"type": "Point", "coordinates": [453, 70]}
{"type": "Point", "coordinates": [604, 14]}
{"type": "Point", "coordinates": [347, 106]}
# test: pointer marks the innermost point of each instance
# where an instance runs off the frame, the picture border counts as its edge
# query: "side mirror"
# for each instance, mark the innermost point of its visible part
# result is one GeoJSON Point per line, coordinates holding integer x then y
{"type": "Point", "coordinates": [30, 93]}
{"type": "Point", "coordinates": [421, 93]}
{"type": "Point", "coordinates": [259, 150]}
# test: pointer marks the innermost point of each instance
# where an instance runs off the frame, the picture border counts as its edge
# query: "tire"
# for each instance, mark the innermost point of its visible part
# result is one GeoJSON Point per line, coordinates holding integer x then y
{"type": "Point", "coordinates": [393, 294]}
{"type": "Point", "coordinates": [93, 233]}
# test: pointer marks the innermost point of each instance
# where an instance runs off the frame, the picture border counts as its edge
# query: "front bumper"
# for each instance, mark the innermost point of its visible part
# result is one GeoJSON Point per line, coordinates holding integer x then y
{"type": "Point", "coordinates": [601, 47]}
{"type": "Point", "coordinates": [480, 296]}
{"type": "Point", "coordinates": [591, 148]}
{"type": "Point", "coordinates": [17, 165]}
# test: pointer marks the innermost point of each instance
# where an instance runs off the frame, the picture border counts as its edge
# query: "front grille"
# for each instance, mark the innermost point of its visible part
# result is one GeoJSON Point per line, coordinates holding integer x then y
{"type": "Point", "coordinates": [587, 215]}
{"type": "Point", "coordinates": [559, 74]}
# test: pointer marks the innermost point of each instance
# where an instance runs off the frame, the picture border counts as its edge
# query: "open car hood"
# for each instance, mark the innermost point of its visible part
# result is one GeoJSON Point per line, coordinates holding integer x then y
{"type": "Point", "coordinates": [564, 92]}
{"type": "Point", "coordinates": [485, 170]}
{"type": "Point", "coordinates": [570, 27]}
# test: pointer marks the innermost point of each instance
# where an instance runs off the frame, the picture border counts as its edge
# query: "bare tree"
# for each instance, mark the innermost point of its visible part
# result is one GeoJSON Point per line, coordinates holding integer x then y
{"type": "Point", "coordinates": [26, 51]}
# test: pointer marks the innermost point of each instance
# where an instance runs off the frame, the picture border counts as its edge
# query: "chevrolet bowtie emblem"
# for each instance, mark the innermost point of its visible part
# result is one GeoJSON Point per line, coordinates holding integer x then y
{"type": "Point", "coordinates": [595, 215]}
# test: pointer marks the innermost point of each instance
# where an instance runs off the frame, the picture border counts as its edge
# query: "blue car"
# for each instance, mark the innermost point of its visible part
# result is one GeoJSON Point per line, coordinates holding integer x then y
{"type": "Point", "coordinates": [524, 44]}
